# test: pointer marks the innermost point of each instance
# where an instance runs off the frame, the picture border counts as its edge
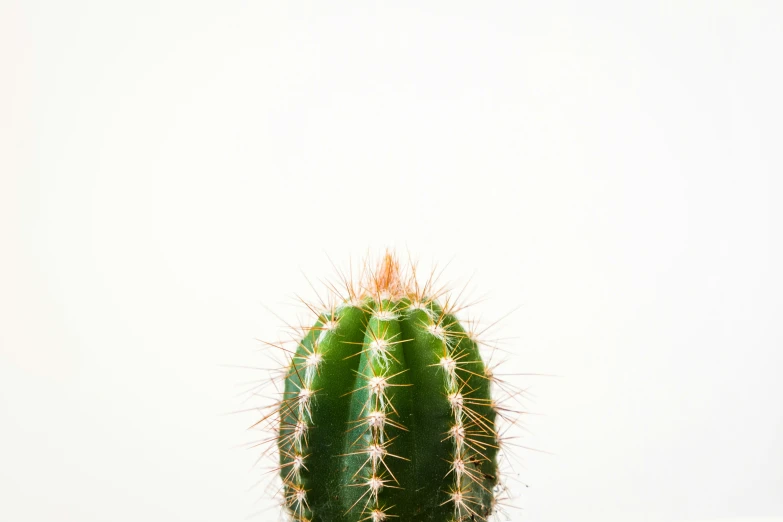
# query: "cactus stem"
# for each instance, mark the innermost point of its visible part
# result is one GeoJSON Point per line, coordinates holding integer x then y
{"type": "Point", "coordinates": [388, 392]}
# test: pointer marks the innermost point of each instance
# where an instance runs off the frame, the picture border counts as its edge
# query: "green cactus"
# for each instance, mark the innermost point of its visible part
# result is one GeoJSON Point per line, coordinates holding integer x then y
{"type": "Point", "coordinates": [387, 413]}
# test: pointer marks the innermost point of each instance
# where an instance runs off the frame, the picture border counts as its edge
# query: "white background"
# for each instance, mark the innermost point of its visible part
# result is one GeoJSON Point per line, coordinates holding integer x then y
{"type": "Point", "coordinates": [613, 169]}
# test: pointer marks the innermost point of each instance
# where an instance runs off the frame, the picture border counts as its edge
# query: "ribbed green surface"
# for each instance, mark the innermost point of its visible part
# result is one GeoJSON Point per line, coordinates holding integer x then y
{"type": "Point", "coordinates": [387, 415]}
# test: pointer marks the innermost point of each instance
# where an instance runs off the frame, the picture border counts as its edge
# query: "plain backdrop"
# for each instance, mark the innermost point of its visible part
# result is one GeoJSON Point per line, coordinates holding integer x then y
{"type": "Point", "coordinates": [608, 174]}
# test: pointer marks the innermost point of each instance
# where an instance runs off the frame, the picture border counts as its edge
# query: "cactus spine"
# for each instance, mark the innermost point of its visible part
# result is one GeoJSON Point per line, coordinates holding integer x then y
{"type": "Point", "coordinates": [387, 413]}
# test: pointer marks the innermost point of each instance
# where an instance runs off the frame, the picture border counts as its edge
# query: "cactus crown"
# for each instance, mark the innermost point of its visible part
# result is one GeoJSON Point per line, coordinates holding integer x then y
{"type": "Point", "coordinates": [387, 412]}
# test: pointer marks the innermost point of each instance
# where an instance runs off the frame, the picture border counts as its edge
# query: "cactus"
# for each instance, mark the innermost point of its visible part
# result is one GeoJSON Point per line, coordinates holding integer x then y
{"type": "Point", "coordinates": [387, 412]}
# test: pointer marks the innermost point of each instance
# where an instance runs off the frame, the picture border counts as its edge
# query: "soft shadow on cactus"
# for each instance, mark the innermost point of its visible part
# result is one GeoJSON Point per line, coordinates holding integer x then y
{"type": "Point", "coordinates": [387, 410]}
